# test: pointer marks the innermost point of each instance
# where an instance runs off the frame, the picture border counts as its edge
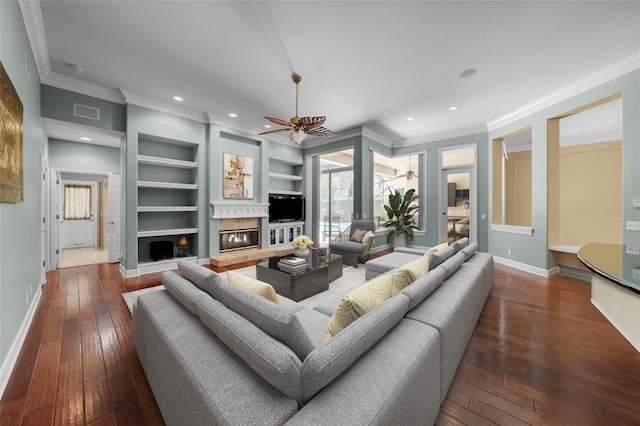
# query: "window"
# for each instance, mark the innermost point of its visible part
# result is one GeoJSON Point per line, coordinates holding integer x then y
{"type": "Point", "coordinates": [77, 202]}
{"type": "Point", "coordinates": [401, 173]}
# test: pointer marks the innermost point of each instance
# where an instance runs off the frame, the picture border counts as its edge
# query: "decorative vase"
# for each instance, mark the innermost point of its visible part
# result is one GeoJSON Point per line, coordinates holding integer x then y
{"type": "Point", "coordinates": [301, 253]}
{"type": "Point", "coordinates": [399, 241]}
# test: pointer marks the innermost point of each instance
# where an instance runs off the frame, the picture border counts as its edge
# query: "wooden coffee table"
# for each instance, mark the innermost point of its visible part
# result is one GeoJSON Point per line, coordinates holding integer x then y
{"type": "Point", "coordinates": [316, 279]}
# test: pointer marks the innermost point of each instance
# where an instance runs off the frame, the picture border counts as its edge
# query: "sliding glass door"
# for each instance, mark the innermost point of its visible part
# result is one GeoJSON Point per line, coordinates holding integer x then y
{"type": "Point", "coordinates": [335, 195]}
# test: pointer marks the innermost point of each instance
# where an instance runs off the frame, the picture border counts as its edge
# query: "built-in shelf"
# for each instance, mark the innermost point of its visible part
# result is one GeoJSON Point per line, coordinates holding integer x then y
{"type": "Point", "coordinates": [164, 232]}
{"type": "Point", "coordinates": [166, 185]}
{"type": "Point", "coordinates": [167, 162]}
{"type": "Point", "coordinates": [283, 176]}
{"type": "Point", "coordinates": [162, 209]}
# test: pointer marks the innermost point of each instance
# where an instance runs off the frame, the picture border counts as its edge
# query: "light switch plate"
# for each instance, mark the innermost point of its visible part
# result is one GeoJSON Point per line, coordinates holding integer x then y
{"type": "Point", "coordinates": [633, 250]}
{"type": "Point", "coordinates": [636, 202]}
{"type": "Point", "coordinates": [636, 273]}
{"type": "Point", "coordinates": [633, 225]}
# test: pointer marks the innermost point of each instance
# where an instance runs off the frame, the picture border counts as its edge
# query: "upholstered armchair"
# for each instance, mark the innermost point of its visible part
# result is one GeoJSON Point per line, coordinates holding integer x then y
{"type": "Point", "coordinates": [358, 243]}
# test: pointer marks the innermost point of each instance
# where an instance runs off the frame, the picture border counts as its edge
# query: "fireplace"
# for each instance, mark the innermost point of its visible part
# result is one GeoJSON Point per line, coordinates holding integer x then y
{"type": "Point", "coordinates": [239, 239]}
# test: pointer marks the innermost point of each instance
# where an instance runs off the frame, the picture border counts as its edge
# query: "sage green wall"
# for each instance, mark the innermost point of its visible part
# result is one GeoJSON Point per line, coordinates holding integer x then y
{"type": "Point", "coordinates": [58, 103]}
{"type": "Point", "coordinates": [82, 156]}
{"type": "Point", "coordinates": [153, 123]}
{"type": "Point", "coordinates": [20, 223]}
{"type": "Point", "coordinates": [532, 250]}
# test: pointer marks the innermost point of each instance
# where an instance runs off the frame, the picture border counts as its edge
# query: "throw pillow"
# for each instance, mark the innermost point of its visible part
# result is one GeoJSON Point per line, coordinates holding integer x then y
{"type": "Point", "coordinates": [436, 248]}
{"type": "Point", "coordinates": [358, 302]}
{"type": "Point", "coordinates": [369, 236]}
{"type": "Point", "coordinates": [254, 286]}
{"type": "Point", "coordinates": [402, 278]}
{"type": "Point", "coordinates": [358, 234]}
{"type": "Point", "coordinates": [417, 268]}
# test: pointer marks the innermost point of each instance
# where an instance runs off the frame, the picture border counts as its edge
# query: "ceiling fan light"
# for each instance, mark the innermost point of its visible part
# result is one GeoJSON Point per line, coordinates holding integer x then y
{"type": "Point", "coordinates": [297, 136]}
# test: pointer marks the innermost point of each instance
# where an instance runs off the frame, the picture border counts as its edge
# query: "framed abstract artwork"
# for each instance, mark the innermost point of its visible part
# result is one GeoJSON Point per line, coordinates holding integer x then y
{"type": "Point", "coordinates": [11, 154]}
{"type": "Point", "coordinates": [237, 177]}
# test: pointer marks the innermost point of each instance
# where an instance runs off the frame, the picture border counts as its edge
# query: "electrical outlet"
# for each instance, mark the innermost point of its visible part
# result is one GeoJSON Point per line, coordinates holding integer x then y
{"type": "Point", "coordinates": [509, 252]}
{"type": "Point", "coordinates": [636, 273]}
{"type": "Point", "coordinates": [633, 225]}
{"type": "Point", "coordinates": [633, 250]}
{"type": "Point", "coordinates": [483, 217]}
{"type": "Point", "coordinates": [636, 202]}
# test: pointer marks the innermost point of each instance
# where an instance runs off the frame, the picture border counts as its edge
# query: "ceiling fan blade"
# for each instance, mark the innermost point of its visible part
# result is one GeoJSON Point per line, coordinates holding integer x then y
{"type": "Point", "coordinates": [280, 122]}
{"type": "Point", "coordinates": [274, 131]}
{"type": "Point", "coordinates": [323, 132]}
{"type": "Point", "coordinates": [312, 121]}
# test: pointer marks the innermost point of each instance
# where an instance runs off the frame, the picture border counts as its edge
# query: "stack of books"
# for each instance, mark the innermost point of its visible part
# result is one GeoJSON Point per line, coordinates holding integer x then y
{"type": "Point", "coordinates": [293, 265]}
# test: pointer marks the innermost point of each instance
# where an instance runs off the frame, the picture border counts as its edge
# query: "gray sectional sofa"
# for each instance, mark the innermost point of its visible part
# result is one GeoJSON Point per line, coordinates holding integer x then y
{"type": "Point", "coordinates": [215, 353]}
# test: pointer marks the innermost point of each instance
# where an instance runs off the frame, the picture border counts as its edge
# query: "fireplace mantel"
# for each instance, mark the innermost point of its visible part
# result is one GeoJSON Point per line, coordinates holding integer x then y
{"type": "Point", "coordinates": [229, 210]}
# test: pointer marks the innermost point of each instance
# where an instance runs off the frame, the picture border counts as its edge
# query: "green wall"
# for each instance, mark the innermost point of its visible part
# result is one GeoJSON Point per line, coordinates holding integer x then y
{"type": "Point", "coordinates": [58, 103]}
{"type": "Point", "coordinates": [532, 250]}
{"type": "Point", "coordinates": [20, 223]}
{"type": "Point", "coordinates": [82, 156]}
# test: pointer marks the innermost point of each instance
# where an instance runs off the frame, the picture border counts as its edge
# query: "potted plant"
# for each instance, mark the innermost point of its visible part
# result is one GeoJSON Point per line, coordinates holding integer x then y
{"type": "Point", "coordinates": [400, 210]}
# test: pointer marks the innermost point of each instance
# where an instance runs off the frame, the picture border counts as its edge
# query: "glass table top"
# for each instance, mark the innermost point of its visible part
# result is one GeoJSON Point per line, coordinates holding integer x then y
{"type": "Point", "coordinates": [613, 262]}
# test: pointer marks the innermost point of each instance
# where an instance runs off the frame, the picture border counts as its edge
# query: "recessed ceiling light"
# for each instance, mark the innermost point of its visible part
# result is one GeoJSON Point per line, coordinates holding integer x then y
{"type": "Point", "coordinates": [409, 119]}
{"type": "Point", "coordinates": [267, 126]}
{"type": "Point", "coordinates": [233, 115]}
{"type": "Point", "coordinates": [454, 108]}
{"type": "Point", "coordinates": [468, 72]}
{"type": "Point", "coordinates": [84, 138]}
{"type": "Point", "coordinates": [75, 68]}
{"type": "Point", "coordinates": [178, 99]}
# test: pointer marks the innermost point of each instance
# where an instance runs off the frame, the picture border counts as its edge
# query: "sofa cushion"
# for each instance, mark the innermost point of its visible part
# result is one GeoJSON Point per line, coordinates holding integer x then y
{"type": "Point", "coordinates": [440, 256]}
{"type": "Point", "coordinates": [183, 290]}
{"type": "Point", "coordinates": [347, 246]}
{"type": "Point", "coordinates": [358, 302]}
{"type": "Point", "coordinates": [357, 235]}
{"type": "Point", "coordinates": [254, 286]}
{"type": "Point", "coordinates": [389, 261]}
{"type": "Point", "coordinates": [424, 286]}
{"type": "Point", "coordinates": [199, 275]}
{"type": "Point", "coordinates": [460, 244]}
{"type": "Point", "coordinates": [436, 248]}
{"type": "Point", "coordinates": [269, 317]}
{"type": "Point", "coordinates": [452, 264]}
{"type": "Point", "coordinates": [470, 250]}
{"type": "Point", "coordinates": [271, 359]}
{"type": "Point", "coordinates": [335, 355]}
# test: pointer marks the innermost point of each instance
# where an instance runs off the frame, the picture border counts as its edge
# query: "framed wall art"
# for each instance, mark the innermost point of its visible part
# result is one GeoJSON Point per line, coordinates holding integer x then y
{"type": "Point", "coordinates": [11, 155]}
{"type": "Point", "coordinates": [237, 177]}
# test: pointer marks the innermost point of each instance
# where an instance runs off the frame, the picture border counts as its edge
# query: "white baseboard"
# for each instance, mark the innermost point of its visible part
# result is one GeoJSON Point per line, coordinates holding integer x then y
{"type": "Point", "coordinates": [527, 268]}
{"type": "Point", "coordinates": [12, 356]}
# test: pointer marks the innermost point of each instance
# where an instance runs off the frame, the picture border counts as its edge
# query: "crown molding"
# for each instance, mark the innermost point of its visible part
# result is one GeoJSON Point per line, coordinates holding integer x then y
{"type": "Point", "coordinates": [32, 16]}
{"type": "Point", "coordinates": [84, 88]}
{"type": "Point", "coordinates": [595, 79]}
{"type": "Point", "coordinates": [161, 106]}
{"type": "Point", "coordinates": [434, 137]}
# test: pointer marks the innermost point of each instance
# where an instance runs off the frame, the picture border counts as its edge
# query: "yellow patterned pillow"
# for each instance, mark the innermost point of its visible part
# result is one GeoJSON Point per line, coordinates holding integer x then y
{"type": "Point", "coordinates": [358, 302]}
{"type": "Point", "coordinates": [254, 286]}
{"type": "Point", "coordinates": [417, 268]}
{"type": "Point", "coordinates": [436, 248]}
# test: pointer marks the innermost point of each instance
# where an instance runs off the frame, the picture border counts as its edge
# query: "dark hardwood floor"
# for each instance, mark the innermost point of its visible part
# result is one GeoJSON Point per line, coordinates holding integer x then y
{"type": "Point", "coordinates": [540, 354]}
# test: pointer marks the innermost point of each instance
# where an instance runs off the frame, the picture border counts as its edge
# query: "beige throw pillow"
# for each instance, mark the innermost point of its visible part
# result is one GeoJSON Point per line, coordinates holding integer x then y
{"type": "Point", "coordinates": [358, 302]}
{"type": "Point", "coordinates": [436, 248]}
{"type": "Point", "coordinates": [358, 234]}
{"type": "Point", "coordinates": [416, 268]}
{"type": "Point", "coordinates": [254, 286]}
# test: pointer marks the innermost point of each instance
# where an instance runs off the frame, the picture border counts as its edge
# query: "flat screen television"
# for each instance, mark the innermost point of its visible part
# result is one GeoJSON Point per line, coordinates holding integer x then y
{"type": "Point", "coordinates": [286, 208]}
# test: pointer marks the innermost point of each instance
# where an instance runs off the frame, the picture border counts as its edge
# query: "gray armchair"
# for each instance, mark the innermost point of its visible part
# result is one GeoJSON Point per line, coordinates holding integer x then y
{"type": "Point", "coordinates": [350, 250]}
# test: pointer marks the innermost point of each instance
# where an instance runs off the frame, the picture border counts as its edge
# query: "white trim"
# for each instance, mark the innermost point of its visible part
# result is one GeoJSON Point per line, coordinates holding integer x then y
{"type": "Point", "coordinates": [225, 210]}
{"type": "Point", "coordinates": [512, 229]}
{"type": "Point", "coordinates": [524, 267]}
{"type": "Point", "coordinates": [12, 356]}
{"type": "Point", "coordinates": [565, 249]}
{"type": "Point", "coordinates": [436, 137]}
{"type": "Point", "coordinates": [597, 78]}
{"type": "Point", "coordinates": [32, 16]}
{"type": "Point", "coordinates": [636, 345]}
{"type": "Point", "coordinates": [166, 107]}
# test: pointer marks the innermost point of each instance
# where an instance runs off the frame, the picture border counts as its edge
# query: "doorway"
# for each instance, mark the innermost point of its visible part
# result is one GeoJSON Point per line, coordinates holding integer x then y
{"type": "Point", "coordinates": [335, 195]}
{"type": "Point", "coordinates": [458, 193]}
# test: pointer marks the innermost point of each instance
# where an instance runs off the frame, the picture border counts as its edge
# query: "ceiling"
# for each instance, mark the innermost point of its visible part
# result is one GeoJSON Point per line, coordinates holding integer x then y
{"type": "Point", "coordinates": [365, 64]}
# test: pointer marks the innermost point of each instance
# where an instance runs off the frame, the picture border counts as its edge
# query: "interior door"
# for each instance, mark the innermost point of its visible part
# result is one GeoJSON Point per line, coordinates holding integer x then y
{"type": "Point", "coordinates": [458, 202]}
{"type": "Point", "coordinates": [43, 220]}
{"type": "Point", "coordinates": [114, 218]}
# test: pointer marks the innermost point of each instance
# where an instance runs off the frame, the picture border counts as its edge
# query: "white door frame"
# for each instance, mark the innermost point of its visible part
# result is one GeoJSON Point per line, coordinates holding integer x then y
{"type": "Point", "coordinates": [114, 194]}
{"type": "Point", "coordinates": [472, 169]}
{"type": "Point", "coordinates": [94, 206]}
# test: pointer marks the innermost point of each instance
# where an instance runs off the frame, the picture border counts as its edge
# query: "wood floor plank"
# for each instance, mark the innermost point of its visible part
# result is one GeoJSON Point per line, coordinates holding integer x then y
{"type": "Point", "coordinates": [70, 394]}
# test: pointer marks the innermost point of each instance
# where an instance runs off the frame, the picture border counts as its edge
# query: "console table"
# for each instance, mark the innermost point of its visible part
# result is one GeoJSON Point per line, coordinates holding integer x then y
{"type": "Point", "coordinates": [615, 286]}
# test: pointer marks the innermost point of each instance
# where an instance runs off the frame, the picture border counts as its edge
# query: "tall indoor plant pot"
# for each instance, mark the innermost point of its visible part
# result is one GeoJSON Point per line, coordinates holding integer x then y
{"type": "Point", "coordinates": [400, 210]}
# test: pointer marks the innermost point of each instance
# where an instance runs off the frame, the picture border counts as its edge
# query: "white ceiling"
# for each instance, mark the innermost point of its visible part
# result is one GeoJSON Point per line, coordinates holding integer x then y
{"type": "Point", "coordinates": [369, 64]}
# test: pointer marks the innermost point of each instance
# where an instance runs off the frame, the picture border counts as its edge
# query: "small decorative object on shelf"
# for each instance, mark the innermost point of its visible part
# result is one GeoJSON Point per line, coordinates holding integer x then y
{"type": "Point", "coordinates": [182, 246]}
{"type": "Point", "coordinates": [301, 245]}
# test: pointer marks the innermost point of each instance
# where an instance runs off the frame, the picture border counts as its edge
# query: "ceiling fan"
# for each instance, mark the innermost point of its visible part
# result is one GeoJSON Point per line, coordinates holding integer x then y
{"type": "Point", "coordinates": [300, 127]}
{"type": "Point", "coordinates": [410, 174]}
